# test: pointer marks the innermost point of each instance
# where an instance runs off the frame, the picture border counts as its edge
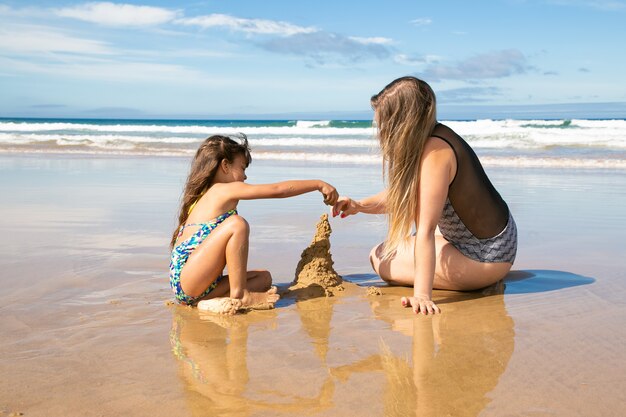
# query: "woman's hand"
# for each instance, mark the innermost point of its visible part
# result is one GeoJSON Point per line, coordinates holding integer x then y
{"type": "Point", "coordinates": [346, 206]}
{"type": "Point", "coordinates": [329, 192]}
{"type": "Point", "coordinates": [421, 304]}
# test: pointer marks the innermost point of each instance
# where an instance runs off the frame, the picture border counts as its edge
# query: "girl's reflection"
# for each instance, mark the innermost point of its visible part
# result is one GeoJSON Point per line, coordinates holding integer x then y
{"type": "Point", "coordinates": [212, 352]}
{"type": "Point", "coordinates": [212, 356]}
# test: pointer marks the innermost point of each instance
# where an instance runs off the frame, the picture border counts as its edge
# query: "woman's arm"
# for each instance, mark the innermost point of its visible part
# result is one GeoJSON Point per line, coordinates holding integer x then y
{"type": "Point", "coordinates": [435, 175]}
{"type": "Point", "coordinates": [284, 189]}
{"type": "Point", "coordinates": [374, 204]}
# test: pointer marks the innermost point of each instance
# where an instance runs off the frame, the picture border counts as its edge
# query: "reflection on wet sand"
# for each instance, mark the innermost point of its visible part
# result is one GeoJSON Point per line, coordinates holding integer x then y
{"type": "Point", "coordinates": [456, 359]}
{"type": "Point", "coordinates": [447, 367]}
{"type": "Point", "coordinates": [212, 352]}
{"type": "Point", "coordinates": [212, 357]}
{"type": "Point", "coordinates": [315, 315]}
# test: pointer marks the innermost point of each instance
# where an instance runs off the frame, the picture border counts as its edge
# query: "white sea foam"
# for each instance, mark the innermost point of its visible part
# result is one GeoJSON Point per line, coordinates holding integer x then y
{"type": "Point", "coordinates": [312, 123]}
{"type": "Point", "coordinates": [340, 158]}
{"type": "Point", "coordinates": [523, 140]}
{"type": "Point", "coordinates": [526, 162]}
{"type": "Point", "coordinates": [304, 129]}
{"type": "Point", "coordinates": [68, 139]}
{"type": "Point", "coordinates": [574, 143]}
{"type": "Point", "coordinates": [78, 138]}
{"type": "Point", "coordinates": [319, 157]}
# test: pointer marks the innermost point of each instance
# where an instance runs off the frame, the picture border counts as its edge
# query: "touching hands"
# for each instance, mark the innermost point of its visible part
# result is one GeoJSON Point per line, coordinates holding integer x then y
{"type": "Point", "coordinates": [329, 192]}
{"type": "Point", "coordinates": [346, 206]}
{"type": "Point", "coordinates": [420, 304]}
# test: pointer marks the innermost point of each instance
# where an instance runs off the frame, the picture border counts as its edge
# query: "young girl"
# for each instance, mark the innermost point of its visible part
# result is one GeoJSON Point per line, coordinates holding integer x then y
{"type": "Point", "coordinates": [211, 235]}
{"type": "Point", "coordinates": [465, 236]}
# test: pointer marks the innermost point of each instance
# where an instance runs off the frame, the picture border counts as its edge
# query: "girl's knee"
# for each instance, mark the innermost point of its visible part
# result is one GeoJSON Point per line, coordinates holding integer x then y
{"type": "Point", "coordinates": [237, 224]}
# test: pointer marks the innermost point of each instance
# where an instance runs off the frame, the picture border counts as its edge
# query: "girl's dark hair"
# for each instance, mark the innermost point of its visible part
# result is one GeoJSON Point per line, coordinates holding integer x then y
{"type": "Point", "coordinates": [205, 163]}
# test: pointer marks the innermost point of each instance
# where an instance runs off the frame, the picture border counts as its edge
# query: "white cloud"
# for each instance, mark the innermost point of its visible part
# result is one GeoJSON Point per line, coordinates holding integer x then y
{"type": "Point", "coordinates": [325, 47]}
{"type": "Point", "coordinates": [24, 12]}
{"type": "Point", "coordinates": [111, 14]}
{"type": "Point", "coordinates": [259, 26]}
{"type": "Point", "coordinates": [422, 21]}
{"type": "Point", "coordinates": [496, 64]}
{"type": "Point", "coordinates": [404, 59]}
{"type": "Point", "coordinates": [372, 41]}
{"type": "Point", "coordinates": [25, 39]}
{"type": "Point", "coordinates": [607, 5]}
{"type": "Point", "coordinates": [110, 70]}
{"type": "Point", "coordinates": [469, 94]}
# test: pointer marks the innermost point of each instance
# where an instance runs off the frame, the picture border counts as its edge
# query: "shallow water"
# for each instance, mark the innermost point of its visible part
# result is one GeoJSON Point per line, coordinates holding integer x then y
{"type": "Point", "coordinates": [85, 320]}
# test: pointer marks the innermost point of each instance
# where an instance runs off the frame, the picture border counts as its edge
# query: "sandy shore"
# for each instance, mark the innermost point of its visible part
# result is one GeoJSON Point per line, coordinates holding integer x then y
{"type": "Point", "coordinates": [86, 329]}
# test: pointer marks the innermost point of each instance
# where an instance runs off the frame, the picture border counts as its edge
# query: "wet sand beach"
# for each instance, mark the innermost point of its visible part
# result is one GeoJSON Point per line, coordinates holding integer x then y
{"type": "Point", "coordinates": [88, 326]}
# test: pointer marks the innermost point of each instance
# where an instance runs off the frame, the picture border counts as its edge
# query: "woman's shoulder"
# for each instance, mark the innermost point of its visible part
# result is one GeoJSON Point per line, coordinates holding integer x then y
{"type": "Point", "coordinates": [437, 152]}
{"type": "Point", "coordinates": [435, 143]}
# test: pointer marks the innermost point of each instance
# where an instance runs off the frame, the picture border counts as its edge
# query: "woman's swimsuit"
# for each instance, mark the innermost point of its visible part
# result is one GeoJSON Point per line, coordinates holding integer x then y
{"type": "Point", "coordinates": [500, 248]}
{"type": "Point", "coordinates": [475, 218]}
{"type": "Point", "coordinates": [181, 253]}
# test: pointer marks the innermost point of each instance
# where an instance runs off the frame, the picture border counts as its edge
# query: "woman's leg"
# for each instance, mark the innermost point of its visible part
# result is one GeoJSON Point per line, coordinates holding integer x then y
{"type": "Point", "coordinates": [227, 244]}
{"type": "Point", "coordinates": [453, 270]}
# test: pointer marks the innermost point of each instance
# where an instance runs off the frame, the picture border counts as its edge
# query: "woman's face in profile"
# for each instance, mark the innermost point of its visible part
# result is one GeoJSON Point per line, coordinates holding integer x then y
{"type": "Point", "coordinates": [375, 123]}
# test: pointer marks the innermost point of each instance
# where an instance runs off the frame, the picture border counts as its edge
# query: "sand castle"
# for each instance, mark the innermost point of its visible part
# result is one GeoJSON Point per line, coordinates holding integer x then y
{"type": "Point", "coordinates": [315, 275]}
{"type": "Point", "coordinates": [315, 269]}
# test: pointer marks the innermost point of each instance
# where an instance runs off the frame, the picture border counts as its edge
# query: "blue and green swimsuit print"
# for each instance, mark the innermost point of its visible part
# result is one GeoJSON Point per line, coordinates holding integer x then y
{"type": "Point", "coordinates": [181, 253]}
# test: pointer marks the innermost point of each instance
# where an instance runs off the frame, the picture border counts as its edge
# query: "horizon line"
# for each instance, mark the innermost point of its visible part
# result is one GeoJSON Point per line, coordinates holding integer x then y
{"type": "Point", "coordinates": [595, 110]}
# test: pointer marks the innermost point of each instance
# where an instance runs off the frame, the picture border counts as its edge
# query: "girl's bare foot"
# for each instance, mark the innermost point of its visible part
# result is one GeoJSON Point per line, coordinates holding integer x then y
{"type": "Point", "coordinates": [260, 300]}
{"type": "Point", "coordinates": [221, 305]}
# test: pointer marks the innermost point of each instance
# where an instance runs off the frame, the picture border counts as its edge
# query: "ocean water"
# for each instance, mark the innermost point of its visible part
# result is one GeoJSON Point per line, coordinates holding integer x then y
{"type": "Point", "coordinates": [575, 143]}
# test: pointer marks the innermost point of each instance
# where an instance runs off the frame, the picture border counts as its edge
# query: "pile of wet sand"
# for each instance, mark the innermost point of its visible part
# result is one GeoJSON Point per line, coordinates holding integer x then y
{"type": "Point", "coordinates": [315, 270]}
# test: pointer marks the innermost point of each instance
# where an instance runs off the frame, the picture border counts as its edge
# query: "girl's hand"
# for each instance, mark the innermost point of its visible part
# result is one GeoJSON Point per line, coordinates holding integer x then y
{"type": "Point", "coordinates": [421, 304]}
{"type": "Point", "coordinates": [329, 192]}
{"type": "Point", "coordinates": [346, 206]}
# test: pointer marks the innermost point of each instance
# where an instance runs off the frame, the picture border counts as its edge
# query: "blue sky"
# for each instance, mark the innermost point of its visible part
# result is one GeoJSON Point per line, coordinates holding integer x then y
{"type": "Point", "coordinates": [211, 58]}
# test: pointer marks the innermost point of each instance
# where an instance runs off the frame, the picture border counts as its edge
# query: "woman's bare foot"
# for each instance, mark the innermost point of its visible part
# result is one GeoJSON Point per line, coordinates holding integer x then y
{"type": "Point", "coordinates": [221, 305]}
{"type": "Point", "coordinates": [260, 300]}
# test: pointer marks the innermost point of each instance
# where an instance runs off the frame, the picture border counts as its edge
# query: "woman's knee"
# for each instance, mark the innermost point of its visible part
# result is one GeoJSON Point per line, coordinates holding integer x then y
{"type": "Point", "coordinates": [375, 255]}
{"type": "Point", "coordinates": [382, 267]}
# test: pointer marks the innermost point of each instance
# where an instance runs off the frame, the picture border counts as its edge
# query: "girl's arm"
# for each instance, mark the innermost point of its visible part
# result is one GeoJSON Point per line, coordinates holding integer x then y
{"type": "Point", "coordinates": [436, 170]}
{"type": "Point", "coordinates": [284, 189]}
{"type": "Point", "coordinates": [374, 204]}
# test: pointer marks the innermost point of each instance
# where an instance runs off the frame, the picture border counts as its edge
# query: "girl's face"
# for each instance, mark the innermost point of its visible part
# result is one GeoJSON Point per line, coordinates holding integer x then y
{"type": "Point", "coordinates": [237, 169]}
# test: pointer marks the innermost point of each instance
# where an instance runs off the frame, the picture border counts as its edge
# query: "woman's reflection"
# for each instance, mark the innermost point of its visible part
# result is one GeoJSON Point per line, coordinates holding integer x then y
{"type": "Point", "coordinates": [457, 357]}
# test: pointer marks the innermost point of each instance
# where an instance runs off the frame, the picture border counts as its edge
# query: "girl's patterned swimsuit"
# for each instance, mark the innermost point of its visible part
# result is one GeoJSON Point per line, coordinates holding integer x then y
{"type": "Point", "coordinates": [181, 253]}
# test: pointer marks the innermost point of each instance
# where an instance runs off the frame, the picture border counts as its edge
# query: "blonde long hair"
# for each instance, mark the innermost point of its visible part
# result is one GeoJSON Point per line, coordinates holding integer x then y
{"type": "Point", "coordinates": [406, 116]}
{"type": "Point", "coordinates": [205, 163]}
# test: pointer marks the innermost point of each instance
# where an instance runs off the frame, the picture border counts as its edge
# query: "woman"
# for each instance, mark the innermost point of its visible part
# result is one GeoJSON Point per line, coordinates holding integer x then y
{"type": "Point", "coordinates": [465, 237]}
